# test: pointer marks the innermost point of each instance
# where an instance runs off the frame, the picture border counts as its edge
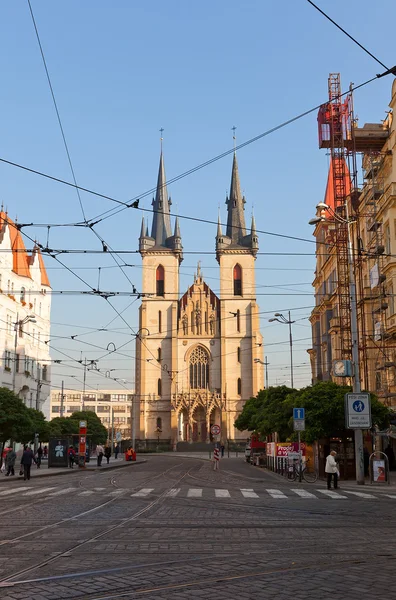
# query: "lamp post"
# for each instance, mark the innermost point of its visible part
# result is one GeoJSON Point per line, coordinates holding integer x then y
{"type": "Point", "coordinates": [282, 319]}
{"type": "Point", "coordinates": [359, 456]}
{"type": "Point", "coordinates": [18, 325]}
{"type": "Point", "coordinates": [265, 363]}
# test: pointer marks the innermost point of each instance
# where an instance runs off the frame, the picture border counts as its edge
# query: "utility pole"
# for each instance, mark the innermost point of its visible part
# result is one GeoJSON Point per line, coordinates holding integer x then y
{"type": "Point", "coordinates": [15, 353]}
{"type": "Point", "coordinates": [266, 363]}
{"type": "Point", "coordinates": [291, 351]}
{"type": "Point", "coordinates": [133, 431]}
{"type": "Point", "coordinates": [62, 399]}
{"type": "Point", "coordinates": [37, 405]}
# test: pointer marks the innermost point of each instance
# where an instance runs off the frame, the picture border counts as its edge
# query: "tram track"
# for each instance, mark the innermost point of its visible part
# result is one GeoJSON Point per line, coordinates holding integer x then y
{"type": "Point", "coordinates": [9, 579]}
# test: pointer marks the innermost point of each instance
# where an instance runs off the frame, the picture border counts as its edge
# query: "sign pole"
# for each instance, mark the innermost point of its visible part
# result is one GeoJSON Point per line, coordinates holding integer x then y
{"type": "Point", "coordinates": [299, 458]}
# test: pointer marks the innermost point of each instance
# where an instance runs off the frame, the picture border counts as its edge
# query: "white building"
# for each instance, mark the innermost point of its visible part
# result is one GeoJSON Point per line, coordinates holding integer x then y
{"type": "Point", "coordinates": [197, 356]}
{"type": "Point", "coordinates": [113, 407]}
{"type": "Point", "coordinates": [25, 308]}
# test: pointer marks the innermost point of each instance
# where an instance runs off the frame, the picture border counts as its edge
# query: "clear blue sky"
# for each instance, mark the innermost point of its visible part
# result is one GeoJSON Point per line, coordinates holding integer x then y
{"type": "Point", "coordinates": [123, 69]}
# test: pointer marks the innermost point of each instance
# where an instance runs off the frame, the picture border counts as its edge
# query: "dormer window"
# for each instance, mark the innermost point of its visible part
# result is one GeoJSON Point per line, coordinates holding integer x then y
{"type": "Point", "coordinates": [160, 281]}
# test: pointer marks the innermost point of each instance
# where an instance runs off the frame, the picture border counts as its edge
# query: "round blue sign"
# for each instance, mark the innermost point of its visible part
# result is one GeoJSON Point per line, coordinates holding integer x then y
{"type": "Point", "coordinates": [358, 406]}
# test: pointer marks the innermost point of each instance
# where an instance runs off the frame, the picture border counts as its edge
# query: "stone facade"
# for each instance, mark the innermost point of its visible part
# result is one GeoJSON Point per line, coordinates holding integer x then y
{"type": "Point", "coordinates": [195, 354]}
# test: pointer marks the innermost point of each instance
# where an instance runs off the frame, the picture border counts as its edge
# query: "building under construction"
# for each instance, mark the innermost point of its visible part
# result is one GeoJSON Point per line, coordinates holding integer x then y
{"type": "Point", "coordinates": [361, 195]}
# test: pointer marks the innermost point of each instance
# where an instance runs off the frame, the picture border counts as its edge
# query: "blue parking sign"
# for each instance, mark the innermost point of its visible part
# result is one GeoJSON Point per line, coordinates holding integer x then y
{"type": "Point", "coordinates": [298, 413]}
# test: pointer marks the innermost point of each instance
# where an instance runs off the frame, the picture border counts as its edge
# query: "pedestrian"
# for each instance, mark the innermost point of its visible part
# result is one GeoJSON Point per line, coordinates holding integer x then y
{"type": "Point", "coordinates": [331, 470]}
{"type": "Point", "coordinates": [116, 451]}
{"type": "Point", "coordinates": [39, 456]}
{"type": "Point", "coordinates": [216, 458]}
{"type": "Point", "coordinates": [107, 453]}
{"type": "Point", "coordinates": [26, 462]}
{"type": "Point", "coordinates": [45, 452]}
{"type": "Point", "coordinates": [222, 450]}
{"type": "Point", "coordinates": [71, 455]}
{"type": "Point", "coordinates": [99, 454]}
{"type": "Point", "coordinates": [10, 461]}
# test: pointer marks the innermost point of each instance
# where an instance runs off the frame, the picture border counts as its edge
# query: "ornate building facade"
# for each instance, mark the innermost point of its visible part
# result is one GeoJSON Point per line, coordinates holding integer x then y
{"type": "Point", "coordinates": [197, 356]}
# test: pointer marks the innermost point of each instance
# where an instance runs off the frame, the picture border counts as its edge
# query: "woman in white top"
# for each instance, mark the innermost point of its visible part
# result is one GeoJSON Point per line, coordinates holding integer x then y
{"type": "Point", "coordinates": [331, 470]}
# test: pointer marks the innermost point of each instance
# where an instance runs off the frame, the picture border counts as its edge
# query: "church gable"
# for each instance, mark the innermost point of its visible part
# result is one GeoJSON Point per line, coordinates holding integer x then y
{"type": "Point", "coordinates": [199, 310]}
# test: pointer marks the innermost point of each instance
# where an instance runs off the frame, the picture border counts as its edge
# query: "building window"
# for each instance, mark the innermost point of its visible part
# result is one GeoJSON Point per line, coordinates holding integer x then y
{"type": "Point", "coordinates": [45, 373]}
{"type": "Point", "coordinates": [8, 287]}
{"type": "Point", "coordinates": [159, 387]}
{"type": "Point", "coordinates": [159, 321]}
{"type": "Point", "coordinates": [160, 281]}
{"type": "Point", "coordinates": [159, 355]}
{"type": "Point", "coordinates": [239, 354]}
{"type": "Point", "coordinates": [199, 368]}
{"type": "Point", "coordinates": [23, 295]}
{"type": "Point", "coordinates": [159, 423]}
{"type": "Point", "coordinates": [40, 309]}
{"type": "Point", "coordinates": [237, 280]}
{"type": "Point", "coordinates": [387, 239]}
{"type": "Point", "coordinates": [17, 367]}
{"type": "Point", "coordinates": [7, 360]}
{"type": "Point", "coordinates": [391, 300]}
{"type": "Point", "coordinates": [239, 386]}
{"type": "Point", "coordinates": [238, 319]}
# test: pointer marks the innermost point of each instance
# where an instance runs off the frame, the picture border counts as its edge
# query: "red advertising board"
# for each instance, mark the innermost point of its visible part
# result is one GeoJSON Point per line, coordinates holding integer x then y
{"type": "Point", "coordinates": [284, 449]}
{"type": "Point", "coordinates": [82, 443]}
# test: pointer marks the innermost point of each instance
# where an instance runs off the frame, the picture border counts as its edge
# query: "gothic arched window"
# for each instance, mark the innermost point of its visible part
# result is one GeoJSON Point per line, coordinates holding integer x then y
{"type": "Point", "coordinates": [159, 387]}
{"type": "Point", "coordinates": [160, 281]}
{"type": "Point", "coordinates": [239, 386]}
{"type": "Point", "coordinates": [199, 368]}
{"type": "Point", "coordinates": [237, 280]}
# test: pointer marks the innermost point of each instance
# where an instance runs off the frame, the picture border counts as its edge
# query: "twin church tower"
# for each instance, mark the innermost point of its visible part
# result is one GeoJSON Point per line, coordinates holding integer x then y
{"type": "Point", "coordinates": [195, 354]}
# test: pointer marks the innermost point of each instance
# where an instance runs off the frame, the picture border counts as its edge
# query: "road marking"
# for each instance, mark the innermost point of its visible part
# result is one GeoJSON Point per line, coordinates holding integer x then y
{"type": "Point", "coordinates": [143, 492]}
{"type": "Point", "coordinates": [360, 494]}
{"type": "Point", "coordinates": [390, 496]}
{"type": "Point", "coordinates": [303, 493]}
{"type": "Point", "coordinates": [36, 492]}
{"type": "Point", "coordinates": [9, 492]}
{"type": "Point", "coordinates": [86, 493]}
{"type": "Point", "coordinates": [99, 489]}
{"type": "Point", "coordinates": [249, 494]}
{"type": "Point", "coordinates": [276, 494]}
{"type": "Point", "coordinates": [331, 494]}
{"type": "Point", "coordinates": [173, 492]}
{"type": "Point", "coordinates": [65, 491]}
{"type": "Point", "coordinates": [194, 493]}
{"type": "Point", "coordinates": [222, 494]}
{"type": "Point", "coordinates": [116, 493]}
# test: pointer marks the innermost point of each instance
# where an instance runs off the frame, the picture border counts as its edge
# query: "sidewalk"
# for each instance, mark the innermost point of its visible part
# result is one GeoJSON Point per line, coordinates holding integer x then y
{"type": "Point", "coordinates": [44, 471]}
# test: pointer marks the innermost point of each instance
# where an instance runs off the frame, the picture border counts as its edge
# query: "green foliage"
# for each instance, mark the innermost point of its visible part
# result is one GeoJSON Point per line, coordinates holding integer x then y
{"type": "Point", "coordinates": [272, 411]}
{"type": "Point", "coordinates": [15, 418]}
{"type": "Point", "coordinates": [65, 426]}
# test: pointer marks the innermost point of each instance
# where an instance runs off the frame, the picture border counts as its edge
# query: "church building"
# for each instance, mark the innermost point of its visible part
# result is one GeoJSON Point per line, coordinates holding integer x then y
{"type": "Point", "coordinates": [197, 354]}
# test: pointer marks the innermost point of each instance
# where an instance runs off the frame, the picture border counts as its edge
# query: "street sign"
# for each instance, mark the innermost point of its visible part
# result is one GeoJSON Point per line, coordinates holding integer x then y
{"type": "Point", "coordinates": [299, 424]}
{"type": "Point", "coordinates": [215, 429]}
{"type": "Point", "coordinates": [118, 436]}
{"type": "Point", "coordinates": [358, 411]}
{"type": "Point", "coordinates": [298, 413]}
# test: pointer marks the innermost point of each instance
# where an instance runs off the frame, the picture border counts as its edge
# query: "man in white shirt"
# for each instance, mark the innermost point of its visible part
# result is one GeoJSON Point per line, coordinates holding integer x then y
{"type": "Point", "coordinates": [99, 454]}
{"type": "Point", "coordinates": [331, 470]}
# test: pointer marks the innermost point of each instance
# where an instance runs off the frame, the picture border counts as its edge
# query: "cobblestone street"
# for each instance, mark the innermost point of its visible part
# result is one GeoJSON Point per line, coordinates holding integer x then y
{"type": "Point", "coordinates": [173, 528]}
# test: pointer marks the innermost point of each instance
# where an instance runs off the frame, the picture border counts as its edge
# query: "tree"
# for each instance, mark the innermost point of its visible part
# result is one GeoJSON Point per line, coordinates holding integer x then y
{"type": "Point", "coordinates": [267, 412]}
{"type": "Point", "coordinates": [15, 418]}
{"type": "Point", "coordinates": [37, 426]}
{"type": "Point", "coordinates": [66, 426]}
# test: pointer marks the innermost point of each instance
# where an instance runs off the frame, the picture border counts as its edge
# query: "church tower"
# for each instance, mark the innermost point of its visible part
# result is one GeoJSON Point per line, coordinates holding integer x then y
{"type": "Point", "coordinates": [241, 340]}
{"type": "Point", "coordinates": [161, 254]}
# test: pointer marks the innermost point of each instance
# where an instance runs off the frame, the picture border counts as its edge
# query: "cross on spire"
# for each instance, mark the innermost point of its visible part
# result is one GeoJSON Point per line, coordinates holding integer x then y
{"type": "Point", "coordinates": [233, 129]}
{"type": "Point", "coordinates": [162, 137]}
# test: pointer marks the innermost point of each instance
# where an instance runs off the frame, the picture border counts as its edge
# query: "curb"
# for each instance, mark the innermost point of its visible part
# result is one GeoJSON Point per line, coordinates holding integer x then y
{"type": "Point", "coordinates": [47, 472]}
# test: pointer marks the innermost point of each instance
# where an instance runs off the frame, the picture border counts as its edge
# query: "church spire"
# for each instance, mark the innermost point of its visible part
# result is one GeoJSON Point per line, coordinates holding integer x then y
{"type": "Point", "coordinates": [219, 232]}
{"type": "Point", "coordinates": [161, 229]}
{"type": "Point", "coordinates": [236, 228]}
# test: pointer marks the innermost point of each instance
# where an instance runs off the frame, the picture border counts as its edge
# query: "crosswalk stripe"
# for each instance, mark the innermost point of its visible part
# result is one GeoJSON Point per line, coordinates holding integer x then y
{"type": "Point", "coordinates": [143, 492]}
{"type": "Point", "coordinates": [222, 494]}
{"type": "Point", "coordinates": [249, 494]}
{"type": "Point", "coordinates": [390, 496]}
{"type": "Point", "coordinates": [360, 494]}
{"type": "Point", "coordinates": [194, 493]}
{"type": "Point", "coordinates": [173, 492]}
{"type": "Point", "coordinates": [14, 491]}
{"type": "Point", "coordinates": [276, 494]}
{"type": "Point", "coordinates": [99, 489]}
{"type": "Point", "coordinates": [86, 493]}
{"type": "Point", "coordinates": [334, 495]}
{"type": "Point", "coordinates": [65, 491]}
{"type": "Point", "coordinates": [40, 491]}
{"type": "Point", "coordinates": [116, 492]}
{"type": "Point", "coordinates": [303, 493]}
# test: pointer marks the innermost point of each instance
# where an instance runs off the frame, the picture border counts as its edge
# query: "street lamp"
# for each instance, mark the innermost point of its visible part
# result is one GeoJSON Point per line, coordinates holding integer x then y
{"type": "Point", "coordinates": [282, 319]}
{"type": "Point", "coordinates": [265, 363]}
{"type": "Point", "coordinates": [359, 457]}
{"type": "Point", "coordinates": [17, 325]}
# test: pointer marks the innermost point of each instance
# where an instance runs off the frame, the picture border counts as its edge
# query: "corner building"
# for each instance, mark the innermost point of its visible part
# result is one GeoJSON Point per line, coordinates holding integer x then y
{"type": "Point", "coordinates": [195, 353]}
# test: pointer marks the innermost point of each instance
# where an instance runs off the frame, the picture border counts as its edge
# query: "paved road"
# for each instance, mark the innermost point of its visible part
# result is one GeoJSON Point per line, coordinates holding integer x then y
{"type": "Point", "coordinates": [171, 528]}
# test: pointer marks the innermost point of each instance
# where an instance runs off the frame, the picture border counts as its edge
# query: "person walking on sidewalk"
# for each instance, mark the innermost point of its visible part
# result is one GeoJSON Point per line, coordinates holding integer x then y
{"type": "Point", "coordinates": [99, 454]}
{"type": "Point", "coordinates": [116, 451]}
{"type": "Point", "coordinates": [107, 453]}
{"type": "Point", "coordinates": [331, 470]}
{"type": "Point", "coordinates": [39, 456]}
{"type": "Point", "coordinates": [10, 462]}
{"type": "Point", "coordinates": [71, 455]}
{"type": "Point", "coordinates": [26, 462]}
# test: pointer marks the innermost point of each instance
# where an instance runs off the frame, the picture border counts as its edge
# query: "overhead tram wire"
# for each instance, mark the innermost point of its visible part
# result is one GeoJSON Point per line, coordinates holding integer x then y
{"type": "Point", "coordinates": [112, 212]}
{"type": "Point", "coordinates": [348, 35]}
